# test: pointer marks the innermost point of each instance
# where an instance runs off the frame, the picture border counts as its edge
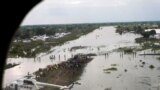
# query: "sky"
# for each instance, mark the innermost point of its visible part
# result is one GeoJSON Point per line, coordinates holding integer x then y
{"type": "Point", "coordinates": [92, 11]}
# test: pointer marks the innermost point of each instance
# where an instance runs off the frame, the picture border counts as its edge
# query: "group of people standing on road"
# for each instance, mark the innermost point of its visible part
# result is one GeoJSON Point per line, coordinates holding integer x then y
{"type": "Point", "coordinates": [53, 57]}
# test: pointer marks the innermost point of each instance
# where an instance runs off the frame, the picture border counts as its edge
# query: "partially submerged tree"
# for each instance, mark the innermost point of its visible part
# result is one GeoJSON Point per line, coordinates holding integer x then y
{"type": "Point", "coordinates": [148, 33]}
{"type": "Point", "coordinates": [152, 32]}
{"type": "Point", "coordinates": [145, 34]}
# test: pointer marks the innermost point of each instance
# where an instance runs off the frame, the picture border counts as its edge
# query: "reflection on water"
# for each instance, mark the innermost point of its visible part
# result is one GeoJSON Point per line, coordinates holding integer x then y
{"type": "Point", "coordinates": [131, 74]}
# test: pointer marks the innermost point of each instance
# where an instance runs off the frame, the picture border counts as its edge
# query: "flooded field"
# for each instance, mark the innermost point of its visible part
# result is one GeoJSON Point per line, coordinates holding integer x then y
{"type": "Point", "coordinates": [109, 70]}
{"type": "Point", "coordinates": [130, 73]}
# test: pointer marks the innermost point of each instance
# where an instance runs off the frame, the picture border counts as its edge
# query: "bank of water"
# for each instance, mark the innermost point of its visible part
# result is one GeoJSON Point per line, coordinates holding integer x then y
{"type": "Point", "coordinates": [100, 41]}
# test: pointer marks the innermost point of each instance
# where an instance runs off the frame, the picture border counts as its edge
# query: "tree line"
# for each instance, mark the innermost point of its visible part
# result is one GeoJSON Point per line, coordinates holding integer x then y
{"type": "Point", "coordinates": [31, 49]}
{"type": "Point", "coordinates": [138, 29]}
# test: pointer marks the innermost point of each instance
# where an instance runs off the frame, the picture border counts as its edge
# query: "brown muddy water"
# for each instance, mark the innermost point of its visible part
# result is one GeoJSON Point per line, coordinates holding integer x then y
{"type": "Point", "coordinates": [132, 71]}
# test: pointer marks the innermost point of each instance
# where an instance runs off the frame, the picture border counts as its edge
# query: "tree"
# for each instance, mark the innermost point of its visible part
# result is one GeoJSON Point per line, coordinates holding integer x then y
{"type": "Point", "coordinates": [139, 29]}
{"type": "Point", "coordinates": [152, 32]}
{"type": "Point", "coordinates": [145, 34]}
{"type": "Point", "coordinates": [148, 33]}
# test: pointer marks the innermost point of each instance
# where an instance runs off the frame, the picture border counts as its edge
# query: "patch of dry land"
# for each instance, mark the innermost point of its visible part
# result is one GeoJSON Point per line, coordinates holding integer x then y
{"type": "Point", "coordinates": [64, 73]}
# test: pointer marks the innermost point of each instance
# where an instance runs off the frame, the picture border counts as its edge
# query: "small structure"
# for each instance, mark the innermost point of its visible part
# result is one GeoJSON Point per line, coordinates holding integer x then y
{"type": "Point", "coordinates": [59, 35]}
{"type": "Point", "coordinates": [155, 26]}
{"type": "Point", "coordinates": [43, 37]}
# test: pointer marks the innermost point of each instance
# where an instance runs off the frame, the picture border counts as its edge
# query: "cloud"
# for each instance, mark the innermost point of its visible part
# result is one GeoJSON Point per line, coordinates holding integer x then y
{"type": "Point", "coordinates": [83, 11]}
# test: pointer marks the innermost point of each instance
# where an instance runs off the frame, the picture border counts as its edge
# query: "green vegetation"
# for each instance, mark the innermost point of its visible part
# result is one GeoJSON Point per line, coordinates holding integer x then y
{"type": "Point", "coordinates": [125, 70]}
{"type": "Point", "coordinates": [141, 40]}
{"type": "Point", "coordinates": [32, 48]}
{"type": "Point", "coordinates": [146, 41]}
{"type": "Point", "coordinates": [78, 47]}
{"type": "Point", "coordinates": [136, 27]}
{"type": "Point", "coordinates": [111, 69]}
{"type": "Point", "coordinates": [63, 73]}
{"type": "Point", "coordinates": [10, 65]}
{"type": "Point", "coordinates": [127, 50]}
{"type": "Point", "coordinates": [108, 72]}
{"type": "Point", "coordinates": [27, 49]}
{"type": "Point", "coordinates": [151, 67]}
{"type": "Point", "coordinates": [147, 34]}
{"type": "Point", "coordinates": [113, 64]}
{"type": "Point", "coordinates": [130, 28]}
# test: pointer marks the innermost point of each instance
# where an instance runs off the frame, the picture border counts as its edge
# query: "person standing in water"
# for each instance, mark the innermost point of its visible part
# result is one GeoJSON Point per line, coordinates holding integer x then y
{"type": "Point", "coordinates": [59, 57]}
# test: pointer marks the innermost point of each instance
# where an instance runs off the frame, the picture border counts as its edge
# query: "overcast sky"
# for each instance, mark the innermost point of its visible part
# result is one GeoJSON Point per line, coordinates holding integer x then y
{"type": "Point", "coordinates": [92, 11]}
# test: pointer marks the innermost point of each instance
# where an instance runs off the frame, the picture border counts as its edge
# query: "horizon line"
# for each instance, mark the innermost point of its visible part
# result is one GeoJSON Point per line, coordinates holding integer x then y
{"type": "Point", "coordinates": [92, 23]}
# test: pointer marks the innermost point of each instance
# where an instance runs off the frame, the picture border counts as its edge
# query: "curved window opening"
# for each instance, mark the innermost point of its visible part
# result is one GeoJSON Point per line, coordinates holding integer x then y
{"type": "Point", "coordinates": [87, 45]}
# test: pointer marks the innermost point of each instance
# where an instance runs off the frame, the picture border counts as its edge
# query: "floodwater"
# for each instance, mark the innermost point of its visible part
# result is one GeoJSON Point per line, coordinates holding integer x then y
{"type": "Point", "coordinates": [131, 74]}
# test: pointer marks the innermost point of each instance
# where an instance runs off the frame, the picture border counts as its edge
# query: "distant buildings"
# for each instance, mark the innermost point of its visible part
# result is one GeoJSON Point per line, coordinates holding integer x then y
{"type": "Point", "coordinates": [59, 35]}
{"type": "Point", "coordinates": [42, 37]}
{"type": "Point", "coordinates": [155, 26]}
